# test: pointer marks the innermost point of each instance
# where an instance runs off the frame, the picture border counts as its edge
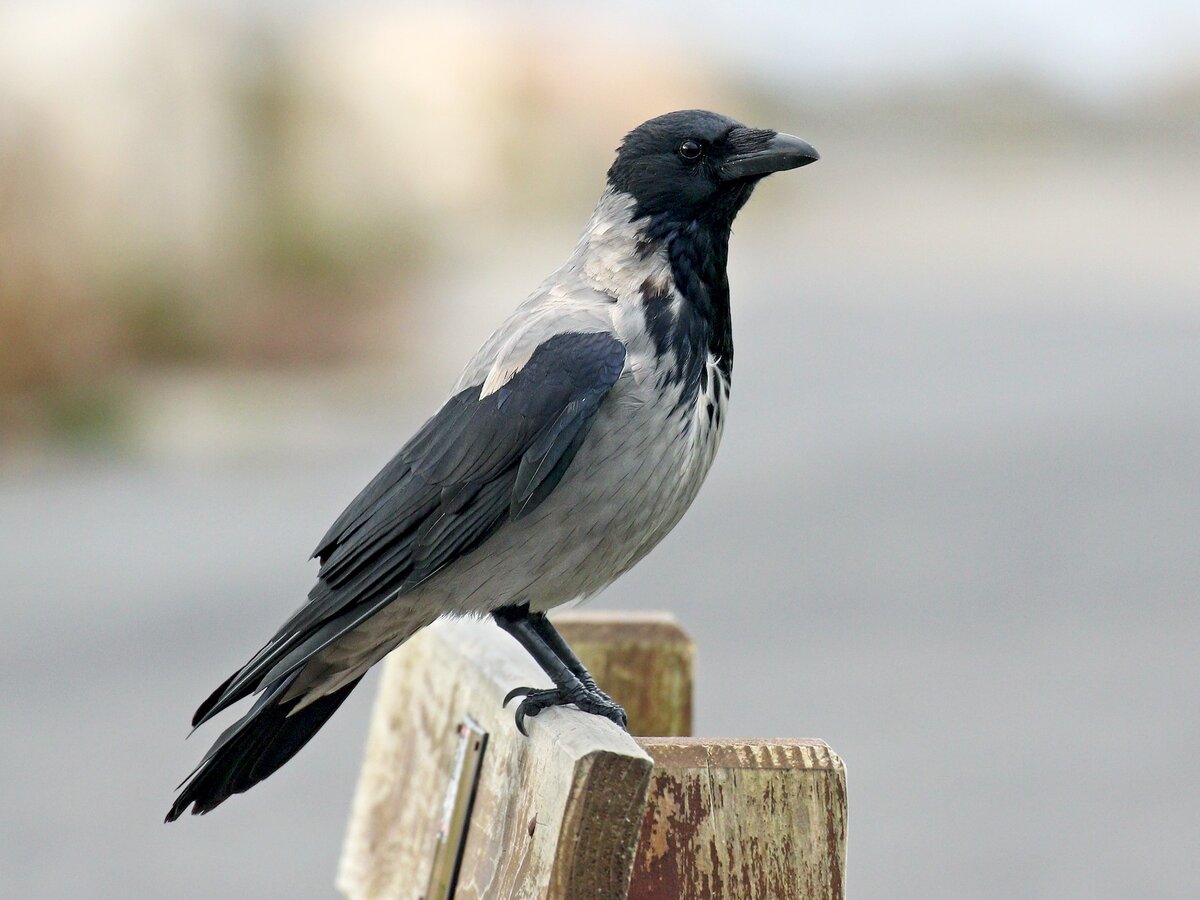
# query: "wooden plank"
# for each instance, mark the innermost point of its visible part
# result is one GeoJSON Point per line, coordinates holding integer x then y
{"type": "Point", "coordinates": [556, 815]}
{"type": "Point", "coordinates": [644, 661]}
{"type": "Point", "coordinates": [575, 810]}
{"type": "Point", "coordinates": [742, 819]}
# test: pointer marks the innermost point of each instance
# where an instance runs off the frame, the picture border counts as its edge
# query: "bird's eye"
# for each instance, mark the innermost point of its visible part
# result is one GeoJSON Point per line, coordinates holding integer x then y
{"type": "Point", "coordinates": [689, 150]}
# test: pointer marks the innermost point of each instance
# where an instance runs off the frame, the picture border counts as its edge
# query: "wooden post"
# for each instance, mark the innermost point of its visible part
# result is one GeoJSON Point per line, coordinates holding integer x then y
{"type": "Point", "coordinates": [643, 660]}
{"type": "Point", "coordinates": [742, 819]}
{"type": "Point", "coordinates": [556, 814]}
{"type": "Point", "coordinates": [453, 802]}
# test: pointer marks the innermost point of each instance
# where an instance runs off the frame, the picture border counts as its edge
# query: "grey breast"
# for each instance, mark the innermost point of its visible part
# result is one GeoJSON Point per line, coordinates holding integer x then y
{"type": "Point", "coordinates": [635, 475]}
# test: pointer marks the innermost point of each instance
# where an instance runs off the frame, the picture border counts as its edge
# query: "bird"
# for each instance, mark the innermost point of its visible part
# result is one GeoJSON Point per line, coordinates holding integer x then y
{"type": "Point", "coordinates": [572, 443]}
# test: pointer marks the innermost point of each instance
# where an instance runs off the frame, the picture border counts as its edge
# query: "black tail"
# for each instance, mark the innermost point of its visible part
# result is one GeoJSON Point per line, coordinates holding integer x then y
{"type": "Point", "coordinates": [255, 746]}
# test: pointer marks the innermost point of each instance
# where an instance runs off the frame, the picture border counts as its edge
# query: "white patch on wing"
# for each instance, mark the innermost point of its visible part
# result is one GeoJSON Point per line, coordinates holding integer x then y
{"type": "Point", "coordinates": [561, 316]}
{"type": "Point", "coordinates": [502, 374]}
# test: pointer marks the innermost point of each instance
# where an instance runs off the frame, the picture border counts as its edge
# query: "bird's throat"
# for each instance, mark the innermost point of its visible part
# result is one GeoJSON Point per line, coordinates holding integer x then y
{"type": "Point", "coordinates": [674, 269]}
{"type": "Point", "coordinates": [699, 325]}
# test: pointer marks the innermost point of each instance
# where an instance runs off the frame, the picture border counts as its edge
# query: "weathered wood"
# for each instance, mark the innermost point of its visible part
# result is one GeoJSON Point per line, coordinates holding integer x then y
{"type": "Point", "coordinates": [556, 815]}
{"type": "Point", "coordinates": [642, 660]}
{"type": "Point", "coordinates": [741, 819]}
{"type": "Point", "coordinates": [575, 811]}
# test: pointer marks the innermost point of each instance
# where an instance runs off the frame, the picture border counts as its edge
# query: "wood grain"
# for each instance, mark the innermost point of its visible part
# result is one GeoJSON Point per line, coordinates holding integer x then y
{"type": "Point", "coordinates": [579, 809]}
{"type": "Point", "coordinates": [741, 819]}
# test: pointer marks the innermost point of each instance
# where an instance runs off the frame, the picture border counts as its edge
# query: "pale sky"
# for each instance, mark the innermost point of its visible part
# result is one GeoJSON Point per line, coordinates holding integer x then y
{"type": "Point", "coordinates": [1101, 48]}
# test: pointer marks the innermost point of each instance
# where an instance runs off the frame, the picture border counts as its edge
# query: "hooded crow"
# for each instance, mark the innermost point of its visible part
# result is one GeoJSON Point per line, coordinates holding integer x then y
{"type": "Point", "coordinates": [573, 441]}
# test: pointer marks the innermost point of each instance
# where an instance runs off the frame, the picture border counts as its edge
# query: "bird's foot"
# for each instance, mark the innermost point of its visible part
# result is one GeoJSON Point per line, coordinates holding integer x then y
{"type": "Point", "coordinates": [593, 701]}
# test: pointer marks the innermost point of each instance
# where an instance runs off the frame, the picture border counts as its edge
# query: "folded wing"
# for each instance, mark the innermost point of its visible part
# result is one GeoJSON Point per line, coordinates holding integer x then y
{"type": "Point", "coordinates": [480, 462]}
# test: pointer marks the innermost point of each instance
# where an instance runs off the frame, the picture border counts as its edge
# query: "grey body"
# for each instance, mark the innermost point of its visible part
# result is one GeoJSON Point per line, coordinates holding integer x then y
{"type": "Point", "coordinates": [636, 473]}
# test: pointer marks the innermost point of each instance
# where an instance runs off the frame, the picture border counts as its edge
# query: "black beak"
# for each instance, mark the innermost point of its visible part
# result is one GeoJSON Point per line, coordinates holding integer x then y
{"type": "Point", "coordinates": [775, 153]}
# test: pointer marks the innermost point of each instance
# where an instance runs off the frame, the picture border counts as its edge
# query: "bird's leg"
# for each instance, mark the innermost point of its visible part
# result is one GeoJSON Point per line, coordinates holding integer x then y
{"type": "Point", "coordinates": [568, 688]}
{"type": "Point", "coordinates": [545, 628]}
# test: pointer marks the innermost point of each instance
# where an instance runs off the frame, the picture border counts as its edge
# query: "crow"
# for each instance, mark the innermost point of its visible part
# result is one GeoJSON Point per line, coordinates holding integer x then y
{"type": "Point", "coordinates": [572, 443]}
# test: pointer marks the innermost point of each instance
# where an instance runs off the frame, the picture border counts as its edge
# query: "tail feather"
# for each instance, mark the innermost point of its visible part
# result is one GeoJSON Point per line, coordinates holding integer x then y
{"type": "Point", "coordinates": [256, 746]}
{"type": "Point", "coordinates": [208, 708]}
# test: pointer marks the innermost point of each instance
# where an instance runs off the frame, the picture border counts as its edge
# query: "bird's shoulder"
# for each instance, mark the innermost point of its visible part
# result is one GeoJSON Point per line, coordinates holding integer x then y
{"type": "Point", "coordinates": [557, 307]}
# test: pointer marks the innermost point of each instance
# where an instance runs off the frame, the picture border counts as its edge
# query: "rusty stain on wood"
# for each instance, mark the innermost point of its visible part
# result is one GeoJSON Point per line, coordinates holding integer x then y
{"type": "Point", "coordinates": [742, 819]}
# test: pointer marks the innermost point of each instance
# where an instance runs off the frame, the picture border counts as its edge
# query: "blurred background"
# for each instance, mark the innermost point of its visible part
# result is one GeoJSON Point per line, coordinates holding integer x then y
{"type": "Point", "coordinates": [245, 248]}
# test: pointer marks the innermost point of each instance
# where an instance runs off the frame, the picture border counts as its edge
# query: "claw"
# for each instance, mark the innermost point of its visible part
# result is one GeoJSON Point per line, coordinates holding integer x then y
{"type": "Point", "coordinates": [535, 701]}
{"type": "Point", "coordinates": [516, 692]}
{"type": "Point", "coordinates": [595, 702]}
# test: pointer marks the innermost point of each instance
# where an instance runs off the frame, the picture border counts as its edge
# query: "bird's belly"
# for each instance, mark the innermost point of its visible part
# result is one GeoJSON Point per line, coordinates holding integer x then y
{"type": "Point", "coordinates": [634, 477]}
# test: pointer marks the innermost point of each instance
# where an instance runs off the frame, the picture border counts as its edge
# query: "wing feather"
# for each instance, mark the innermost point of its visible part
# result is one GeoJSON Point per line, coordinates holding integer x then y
{"type": "Point", "coordinates": [480, 462]}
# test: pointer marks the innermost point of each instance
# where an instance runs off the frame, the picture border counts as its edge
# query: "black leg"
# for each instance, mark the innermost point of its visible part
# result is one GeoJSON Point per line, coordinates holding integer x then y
{"type": "Point", "coordinates": [518, 622]}
{"type": "Point", "coordinates": [548, 633]}
{"type": "Point", "coordinates": [572, 682]}
{"type": "Point", "coordinates": [546, 630]}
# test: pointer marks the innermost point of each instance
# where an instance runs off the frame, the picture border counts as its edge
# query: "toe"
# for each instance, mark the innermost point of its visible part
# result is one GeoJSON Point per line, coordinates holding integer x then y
{"type": "Point", "coordinates": [517, 692]}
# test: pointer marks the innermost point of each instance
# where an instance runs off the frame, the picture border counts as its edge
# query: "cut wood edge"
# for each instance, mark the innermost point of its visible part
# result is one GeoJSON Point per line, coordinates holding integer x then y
{"type": "Point", "coordinates": [600, 826]}
{"type": "Point", "coordinates": [742, 753]}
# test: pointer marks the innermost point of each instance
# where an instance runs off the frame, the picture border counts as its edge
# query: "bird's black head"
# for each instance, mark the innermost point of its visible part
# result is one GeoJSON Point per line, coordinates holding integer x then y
{"type": "Point", "coordinates": [695, 165]}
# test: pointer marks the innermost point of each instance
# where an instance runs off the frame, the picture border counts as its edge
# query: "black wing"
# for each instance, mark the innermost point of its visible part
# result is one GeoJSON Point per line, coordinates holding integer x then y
{"type": "Point", "coordinates": [475, 465]}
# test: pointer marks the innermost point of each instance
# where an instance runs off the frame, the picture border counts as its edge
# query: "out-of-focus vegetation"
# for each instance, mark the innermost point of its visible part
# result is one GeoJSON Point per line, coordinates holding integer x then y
{"type": "Point", "coordinates": [183, 186]}
{"type": "Point", "coordinates": [153, 211]}
{"type": "Point", "coordinates": [186, 187]}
